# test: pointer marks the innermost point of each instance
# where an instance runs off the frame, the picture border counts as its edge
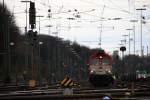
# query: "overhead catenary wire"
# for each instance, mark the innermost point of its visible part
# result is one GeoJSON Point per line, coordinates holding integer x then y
{"type": "Point", "coordinates": [84, 12]}
{"type": "Point", "coordinates": [97, 17]}
{"type": "Point", "coordinates": [63, 9]}
{"type": "Point", "coordinates": [118, 6]}
{"type": "Point", "coordinates": [92, 3]}
{"type": "Point", "coordinates": [89, 2]}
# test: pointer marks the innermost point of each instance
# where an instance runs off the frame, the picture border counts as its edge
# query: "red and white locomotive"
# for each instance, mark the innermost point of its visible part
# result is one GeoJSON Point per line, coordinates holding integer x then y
{"type": "Point", "coordinates": [100, 69]}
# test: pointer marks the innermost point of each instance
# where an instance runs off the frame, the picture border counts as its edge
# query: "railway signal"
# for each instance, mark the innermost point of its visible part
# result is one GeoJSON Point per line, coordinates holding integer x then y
{"type": "Point", "coordinates": [32, 16]}
{"type": "Point", "coordinates": [123, 48]}
{"type": "Point", "coordinates": [32, 35]}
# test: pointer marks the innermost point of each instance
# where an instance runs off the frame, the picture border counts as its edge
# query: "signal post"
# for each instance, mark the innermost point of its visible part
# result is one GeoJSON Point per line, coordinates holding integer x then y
{"type": "Point", "coordinates": [32, 36]}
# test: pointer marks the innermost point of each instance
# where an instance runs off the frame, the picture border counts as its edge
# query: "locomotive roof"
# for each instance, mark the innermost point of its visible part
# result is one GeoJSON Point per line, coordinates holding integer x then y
{"type": "Point", "coordinates": [100, 53]}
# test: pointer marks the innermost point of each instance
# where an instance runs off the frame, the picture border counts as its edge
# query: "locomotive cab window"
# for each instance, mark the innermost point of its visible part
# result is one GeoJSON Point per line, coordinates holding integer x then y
{"type": "Point", "coordinates": [105, 61]}
{"type": "Point", "coordinates": [94, 62]}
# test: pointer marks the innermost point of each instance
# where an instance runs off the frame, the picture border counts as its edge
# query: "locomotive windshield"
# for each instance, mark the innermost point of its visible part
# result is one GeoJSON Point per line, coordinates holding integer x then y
{"type": "Point", "coordinates": [105, 61]}
{"type": "Point", "coordinates": [94, 62]}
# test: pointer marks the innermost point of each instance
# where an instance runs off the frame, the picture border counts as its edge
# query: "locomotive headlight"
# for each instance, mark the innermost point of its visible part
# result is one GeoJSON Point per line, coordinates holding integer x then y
{"type": "Point", "coordinates": [100, 57]}
{"type": "Point", "coordinates": [108, 71]}
{"type": "Point", "coordinates": [92, 71]}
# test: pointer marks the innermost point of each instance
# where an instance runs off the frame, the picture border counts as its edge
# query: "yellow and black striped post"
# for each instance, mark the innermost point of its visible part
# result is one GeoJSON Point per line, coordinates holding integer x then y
{"type": "Point", "coordinates": [67, 82]}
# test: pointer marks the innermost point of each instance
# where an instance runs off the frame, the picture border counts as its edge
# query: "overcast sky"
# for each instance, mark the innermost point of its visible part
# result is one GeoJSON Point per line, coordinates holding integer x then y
{"type": "Point", "coordinates": [93, 14]}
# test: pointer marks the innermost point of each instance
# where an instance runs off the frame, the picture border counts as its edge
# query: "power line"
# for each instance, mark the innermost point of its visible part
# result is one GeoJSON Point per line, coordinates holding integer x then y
{"type": "Point", "coordinates": [92, 3]}
{"type": "Point", "coordinates": [119, 6]}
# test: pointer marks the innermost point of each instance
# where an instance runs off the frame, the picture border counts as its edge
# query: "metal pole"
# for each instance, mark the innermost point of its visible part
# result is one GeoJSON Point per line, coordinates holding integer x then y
{"type": "Point", "coordinates": [141, 36]}
{"type": "Point", "coordinates": [3, 3]}
{"type": "Point", "coordinates": [129, 39]}
{"type": "Point", "coordinates": [134, 37]}
{"type": "Point", "coordinates": [26, 15]}
{"type": "Point", "coordinates": [141, 9]}
{"type": "Point", "coordinates": [39, 22]}
{"type": "Point", "coordinates": [50, 69]}
{"type": "Point", "coordinates": [39, 47]}
{"type": "Point", "coordinates": [39, 25]}
{"type": "Point", "coordinates": [9, 52]}
{"type": "Point", "coordinates": [134, 27]}
{"type": "Point", "coordinates": [134, 34]}
{"type": "Point", "coordinates": [147, 50]}
{"type": "Point", "coordinates": [125, 40]}
{"type": "Point", "coordinates": [100, 38]}
{"type": "Point", "coordinates": [26, 19]}
{"type": "Point", "coordinates": [26, 47]}
{"type": "Point", "coordinates": [129, 42]}
{"type": "Point", "coordinates": [10, 45]}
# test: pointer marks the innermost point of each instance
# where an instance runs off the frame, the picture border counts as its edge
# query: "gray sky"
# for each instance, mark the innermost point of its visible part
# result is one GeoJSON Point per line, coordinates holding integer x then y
{"type": "Point", "coordinates": [93, 14]}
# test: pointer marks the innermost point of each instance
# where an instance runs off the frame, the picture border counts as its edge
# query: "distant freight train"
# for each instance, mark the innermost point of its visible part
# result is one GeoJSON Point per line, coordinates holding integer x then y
{"type": "Point", "coordinates": [100, 69]}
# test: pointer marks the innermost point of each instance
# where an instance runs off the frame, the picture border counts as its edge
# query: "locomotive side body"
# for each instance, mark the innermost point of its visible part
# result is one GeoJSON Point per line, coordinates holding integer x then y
{"type": "Point", "coordinates": [100, 69]}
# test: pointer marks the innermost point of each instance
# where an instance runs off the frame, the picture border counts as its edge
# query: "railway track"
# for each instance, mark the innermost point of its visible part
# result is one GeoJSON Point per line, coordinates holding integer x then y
{"type": "Point", "coordinates": [85, 93]}
{"type": "Point", "coordinates": [78, 94]}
